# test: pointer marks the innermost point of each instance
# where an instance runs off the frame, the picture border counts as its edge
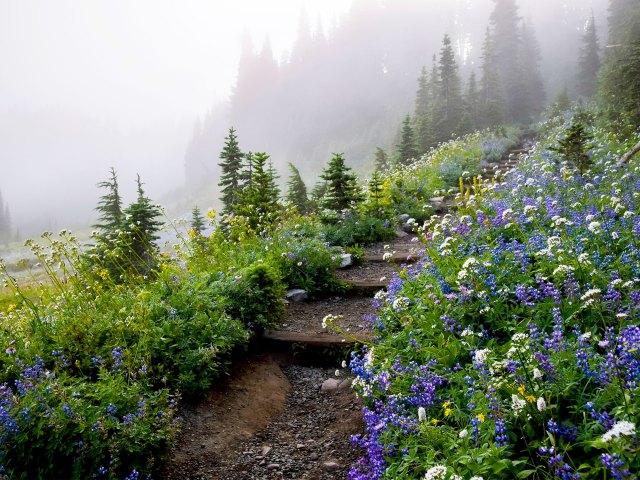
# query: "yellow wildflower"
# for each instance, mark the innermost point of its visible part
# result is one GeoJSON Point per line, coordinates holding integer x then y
{"type": "Point", "coordinates": [530, 399]}
{"type": "Point", "coordinates": [480, 417]}
{"type": "Point", "coordinates": [447, 412]}
{"type": "Point", "coordinates": [11, 308]}
{"type": "Point", "coordinates": [446, 404]}
{"type": "Point", "coordinates": [521, 390]}
{"type": "Point", "coordinates": [435, 421]}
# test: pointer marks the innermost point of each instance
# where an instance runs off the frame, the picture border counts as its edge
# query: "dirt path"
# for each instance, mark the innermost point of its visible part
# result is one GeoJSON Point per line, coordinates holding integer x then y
{"type": "Point", "coordinates": [278, 418]}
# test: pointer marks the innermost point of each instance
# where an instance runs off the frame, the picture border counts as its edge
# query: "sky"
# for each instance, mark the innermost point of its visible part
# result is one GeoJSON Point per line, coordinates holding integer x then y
{"type": "Point", "coordinates": [90, 84]}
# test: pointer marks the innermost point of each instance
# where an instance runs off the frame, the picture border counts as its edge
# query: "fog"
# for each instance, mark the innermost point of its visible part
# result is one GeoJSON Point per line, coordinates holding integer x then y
{"type": "Point", "coordinates": [151, 87]}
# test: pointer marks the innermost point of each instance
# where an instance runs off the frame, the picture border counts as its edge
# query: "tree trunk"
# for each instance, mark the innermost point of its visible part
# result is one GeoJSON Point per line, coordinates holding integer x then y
{"type": "Point", "coordinates": [627, 156]}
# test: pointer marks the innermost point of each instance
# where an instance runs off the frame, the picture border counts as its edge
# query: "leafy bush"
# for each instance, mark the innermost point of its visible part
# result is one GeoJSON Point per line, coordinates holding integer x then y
{"type": "Point", "coordinates": [354, 229]}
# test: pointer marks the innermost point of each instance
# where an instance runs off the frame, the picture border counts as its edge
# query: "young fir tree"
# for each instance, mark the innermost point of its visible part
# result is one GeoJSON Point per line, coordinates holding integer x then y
{"type": "Point", "coordinates": [197, 220]}
{"type": "Point", "coordinates": [260, 201]}
{"type": "Point", "coordinates": [382, 160]}
{"type": "Point", "coordinates": [449, 108]}
{"type": "Point", "coordinates": [406, 149]}
{"type": "Point", "coordinates": [297, 191]}
{"type": "Point", "coordinates": [231, 165]}
{"type": "Point", "coordinates": [109, 207]}
{"type": "Point", "coordinates": [589, 61]}
{"type": "Point", "coordinates": [141, 225]}
{"type": "Point", "coordinates": [374, 194]}
{"type": "Point", "coordinates": [492, 108]}
{"type": "Point", "coordinates": [342, 190]}
{"type": "Point", "coordinates": [573, 147]}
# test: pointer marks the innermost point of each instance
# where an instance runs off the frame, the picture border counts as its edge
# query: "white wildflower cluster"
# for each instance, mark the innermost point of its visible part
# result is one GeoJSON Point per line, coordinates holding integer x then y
{"type": "Point", "coordinates": [330, 319]}
{"type": "Point", "coordinates": [537, 374]}
{"type": "Point", "coordinates": [620, 428]}
{"type": "Point", "coordinates": [361, 385]}
{"type": "Point", "coordinates": [463, 434]}
{"type": "Point", "coordinates": [480, 356]}
{"type": "Point", "coordinates": [387, 256]}
{"type": "Point", "coordinates": [554, 241]}
{"type": "Point", "coordinates": [400, 304]}
{"type": "Point", "coordinates": [467, 332]}
{"type": "Point", "coordinates": [437, 472]}
{"type": "Point", "coordinates": [381, 295]}
{"type": "Point", "coordinates": [558, 221]}
{"type": "Point", "coordinates": [517, 404]}
{"type": "Point", "coordinates": [595, 228]}
{"type": "Point", "coordinates": [563, 270]}
{"type": "Point", "coordinates": [590, 296]}
{"type": "Point", "coordinates": [583, 259]}
{"type": "Point", "coordinates": [628, 214]}
{"type": "Point", "coordinates": [446, 244]}
{"type": "Point", "coordinates": [519, 345]}
{"type": "Point", "coordinates": [529, 210]}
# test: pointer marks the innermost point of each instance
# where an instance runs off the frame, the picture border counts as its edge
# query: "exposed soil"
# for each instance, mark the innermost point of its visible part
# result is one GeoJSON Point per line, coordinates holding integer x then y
{"type": "Point", "coordinates": [271, 420]}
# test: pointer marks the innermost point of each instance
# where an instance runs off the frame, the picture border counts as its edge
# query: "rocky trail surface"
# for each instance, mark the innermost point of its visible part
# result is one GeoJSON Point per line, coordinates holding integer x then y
{"type": "Point", "coordinates": [288, 410]}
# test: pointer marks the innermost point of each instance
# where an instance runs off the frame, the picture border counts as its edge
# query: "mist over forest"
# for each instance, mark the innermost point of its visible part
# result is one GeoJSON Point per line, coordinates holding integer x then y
{"type": "Point", "coordinates": [344, 85]}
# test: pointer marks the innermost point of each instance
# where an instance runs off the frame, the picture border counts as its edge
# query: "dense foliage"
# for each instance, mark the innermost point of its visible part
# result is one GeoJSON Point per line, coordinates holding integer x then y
{"type": "Point", "coordinates": [512, 349]}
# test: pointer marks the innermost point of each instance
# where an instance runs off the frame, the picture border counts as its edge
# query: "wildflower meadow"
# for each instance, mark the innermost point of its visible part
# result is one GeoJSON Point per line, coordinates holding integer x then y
{"type": "Point", "coordinates": [512, 349]}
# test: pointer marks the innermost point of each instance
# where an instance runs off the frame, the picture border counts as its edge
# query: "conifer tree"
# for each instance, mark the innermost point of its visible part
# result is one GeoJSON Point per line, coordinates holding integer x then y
{"type": "Point", "coordinates": [589, 61]}
{"type": "Point", "coordinates": [230, 166]}
{"type": "Point", "coordinates": [573, 146]}
{"type": "Point", "coordinates": [374, 194]}
{"type": "Point", "coordinates": [197, 220]}
{"type": "Point", "coordinates": [422, 113]}
{"type": "Point", "coordinates": [533, 87]}
{"type": "Point", "coordinates": [382, 160]}
{"type": "Point", "coordinates": [141, 224]}
{"type": "Point", "coordinates": [449, 108]}
{"type": "Point", "coordinates": [297, 191]}
{"type": "Point", "coordinates": [342, 190]}
{"type": "Point", "coordinates": [406, 149]}
{"type": "Point", "coordinates": [109, 206]}
{"type": "Point", "coordinates": [620, 78]}
{"type": "Point", "coordinates": [259, 201]}
{"type": "Point", "coordinates": [506, 43]}
{"type": "Point", "coordinates": [471, 115]}
{"type": "Point", "coordinates": [492, 108]}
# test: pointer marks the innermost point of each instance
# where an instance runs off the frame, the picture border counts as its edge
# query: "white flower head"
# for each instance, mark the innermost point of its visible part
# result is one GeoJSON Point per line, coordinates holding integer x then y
{"type": "Point", "coordinates": [422, 414]}
{"type": "Point", "coordinates": [537, 374]}
{"type": "Point", "coordinates": [620, 428]}
{"type": "Point", "coordinates": [517, 404]}
{"type": "Point", "coordinates": [437, 472]}
{"type": "Point", "coordinates": [595, 228]}
{"type": "Point", "coordinates": [480, 356]}
{"type": "Point", "coordinates": [463, 433]}
{"type": "Point", "coordinates": [541, 404]}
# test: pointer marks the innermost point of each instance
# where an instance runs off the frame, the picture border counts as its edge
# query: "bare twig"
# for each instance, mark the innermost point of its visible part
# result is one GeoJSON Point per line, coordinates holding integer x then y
{"type": "Point", "coordinates": [627, 156]}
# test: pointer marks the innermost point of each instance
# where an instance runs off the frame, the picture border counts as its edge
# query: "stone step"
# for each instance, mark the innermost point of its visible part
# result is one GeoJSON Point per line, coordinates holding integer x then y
{"type": "Point", "coordinates": [312, 339]}
{"type": "Point", "coordinates": [366, 288]}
